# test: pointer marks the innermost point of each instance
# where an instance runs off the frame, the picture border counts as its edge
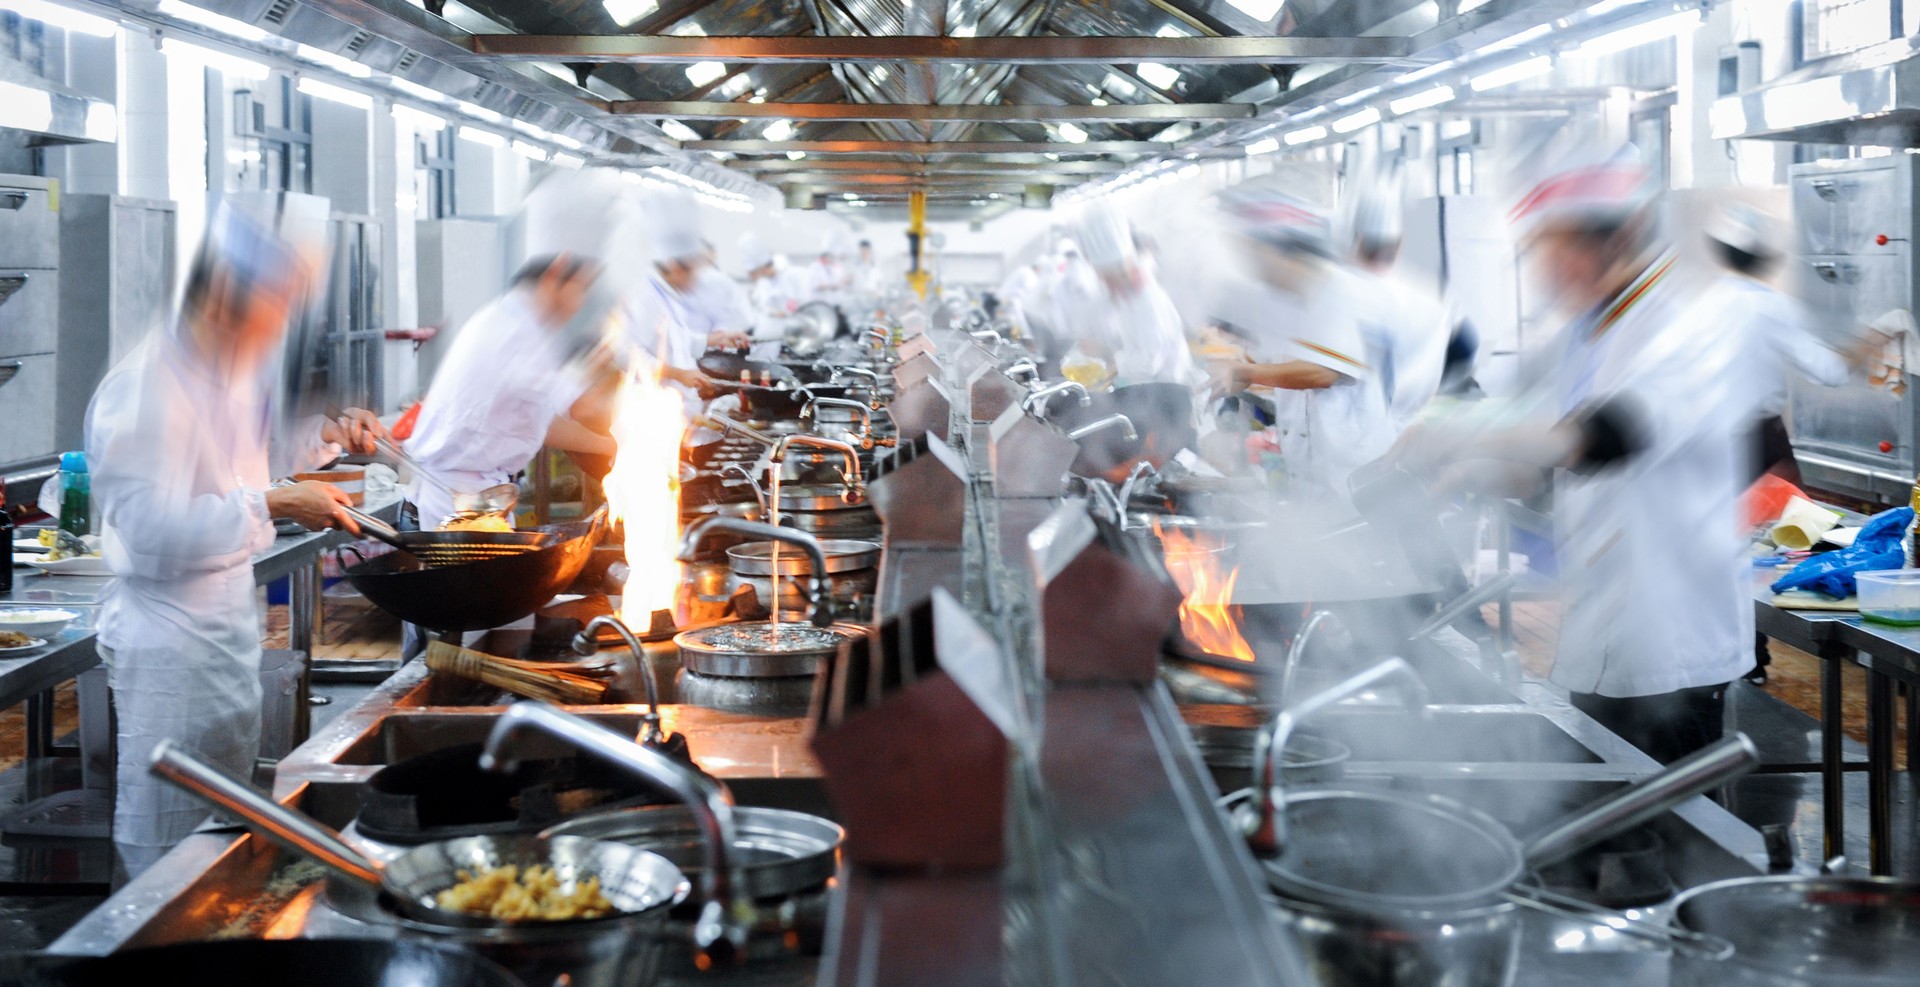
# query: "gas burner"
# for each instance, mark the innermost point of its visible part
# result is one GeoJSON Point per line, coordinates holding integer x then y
{"type": "Point", "coordinates": [1627, 871]}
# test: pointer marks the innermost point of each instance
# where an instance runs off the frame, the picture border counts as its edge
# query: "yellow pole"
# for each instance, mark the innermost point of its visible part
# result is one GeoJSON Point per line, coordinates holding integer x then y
{"type": "Point", "coordinates": [917, 276]}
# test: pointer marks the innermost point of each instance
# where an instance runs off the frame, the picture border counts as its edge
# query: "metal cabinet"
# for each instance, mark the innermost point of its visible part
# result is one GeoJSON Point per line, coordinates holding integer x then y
{"type": "Point", "coordinates": [1855, 224]}
{"type": "Point", "coordinates": [29, 310]}
{"type": "Point", "coordinates": [116, 281]}
{"type": "Point", "coordinates": [27, 388]}
{"type": "Point", "coordinates": [29, 234]}
{"type": "Point", "coordinates": [29, 320]}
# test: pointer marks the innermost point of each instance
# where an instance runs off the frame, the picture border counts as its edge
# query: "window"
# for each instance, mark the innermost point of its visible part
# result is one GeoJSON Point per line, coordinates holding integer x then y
{"type": "Point", "coordinates": [1830, 27]}
{"type": "Point", "coordinates": [434, 156]}
{"type": "Point", "coordinates": [272, 124]}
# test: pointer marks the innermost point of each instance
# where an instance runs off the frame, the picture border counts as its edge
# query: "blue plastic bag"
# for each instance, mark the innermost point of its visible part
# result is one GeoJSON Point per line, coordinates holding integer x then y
{"type": "Point", "coordinates": [1876, 547]}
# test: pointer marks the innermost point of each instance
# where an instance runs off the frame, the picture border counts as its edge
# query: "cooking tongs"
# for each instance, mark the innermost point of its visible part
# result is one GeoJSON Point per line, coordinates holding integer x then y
{"type": "Point", "coordinates": [497, 499]}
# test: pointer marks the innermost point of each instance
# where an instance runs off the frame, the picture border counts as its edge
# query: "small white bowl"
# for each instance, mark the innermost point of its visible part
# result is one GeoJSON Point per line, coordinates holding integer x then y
{"type": "Point", "coordinates": [35, 621]}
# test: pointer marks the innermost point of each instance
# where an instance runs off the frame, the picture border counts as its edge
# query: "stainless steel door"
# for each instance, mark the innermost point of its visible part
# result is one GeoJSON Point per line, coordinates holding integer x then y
{"type": "Point", "coordinates": [1845, 207]}
{"type": "Point", "coordinates": [1854, 421]}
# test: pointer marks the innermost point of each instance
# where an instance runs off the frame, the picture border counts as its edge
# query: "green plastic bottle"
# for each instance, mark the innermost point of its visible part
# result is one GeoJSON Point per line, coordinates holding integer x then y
{"type": "Point", "coordinates": [76, 495]}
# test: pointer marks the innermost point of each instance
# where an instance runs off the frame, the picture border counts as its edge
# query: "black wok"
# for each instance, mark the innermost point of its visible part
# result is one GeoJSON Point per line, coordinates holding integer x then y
{"type": "Point", "coordinates": [445, 794]}
{"type": "Point", "coordinates": [771, 389]}
{"type": "Point", "coordinates": [477, 595]}
{"type": "Point", "coordinates": [276, 962]}
{"type": "Point", "coordinates": [1162, 416]}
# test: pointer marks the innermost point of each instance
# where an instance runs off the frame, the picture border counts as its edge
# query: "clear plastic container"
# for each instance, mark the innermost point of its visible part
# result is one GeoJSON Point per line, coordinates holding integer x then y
{"type": "Point", "coordinates": [1891, 597]}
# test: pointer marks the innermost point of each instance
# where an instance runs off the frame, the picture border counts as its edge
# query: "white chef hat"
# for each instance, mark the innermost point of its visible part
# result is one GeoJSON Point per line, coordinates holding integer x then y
{"type": "Point", "coordinates": [754, 254]}
{"type": "Point", "coordinates": [1743, 228]}
{"type": "Point", "coordinates": [673, 226]}
{"type": "Point", "coordinates": [1585, 190]}
{"type": "Point", "coordinates": [575, 213]}
{"type": "Point", "coordinates": [1106, 240]}
{"type": "Point", "coordinates": [1273, 214]}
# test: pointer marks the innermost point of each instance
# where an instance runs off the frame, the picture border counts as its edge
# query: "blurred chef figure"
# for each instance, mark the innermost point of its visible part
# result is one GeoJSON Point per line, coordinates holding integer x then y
{"type": "Point", "coordinates": [521, 373]}
{"type": "Point", "coordinates": [1300, 324]}
{"type": "Point", "coordinates": [724, 301]}
{"type": "Point", "coordinates": [865, 278]}
{"type": "Point", "coordinates": [1071, 287]}
{"type": "Point", "coordinates": [1124, 319]}
{"type": "Point", "coordinates": [1772, 329]}
{"type": "Point", "coordinates": [1407, 332]}
{"type": "Point", "coordinates": [178, 439]}
{"type": "Point", "coordinates": [827, 279]}
{"type": "Point", "coordinates": [692, 324]}
{"type": "Point", "coordinates": [1018, 290]}
{"type": "Point", "coordinates": [775, 291]}
{"type": "Point", "coordinates": [1642, 428]}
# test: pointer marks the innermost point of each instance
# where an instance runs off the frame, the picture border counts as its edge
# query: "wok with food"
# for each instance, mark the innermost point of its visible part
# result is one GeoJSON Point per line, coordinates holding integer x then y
{"type": "Point", "coordinates": [516, 894]}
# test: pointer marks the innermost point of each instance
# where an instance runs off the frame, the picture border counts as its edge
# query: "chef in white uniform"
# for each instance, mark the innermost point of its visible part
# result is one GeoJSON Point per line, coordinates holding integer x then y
{"type": "Point", "coordinates": [775, 291]}
{"type": "Point", "coordinates": [828, 279]}
{"type": "Point", "coordinates": [1300, 322]}
{"type": "Point", "coordinates": [1642, 427]}
{"type": "Point", "coordinates": [1407, 330]}
{"type": "Point", "coordinates": [691, 324]}
{"type": "Point", "coordinates": [518, 368]}
{"type": "Point", "coordinates": [178, 439]}
{"type": "Point", "coordinates": [1126, 320]}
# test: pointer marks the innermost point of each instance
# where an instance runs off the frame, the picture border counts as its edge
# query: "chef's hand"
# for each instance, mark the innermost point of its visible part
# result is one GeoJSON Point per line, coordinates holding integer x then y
{"type": "Point", "coordinates": [315, 505]}
{"type": "Point", "coordinates": [729, 341]}
{"type": "Point", "coordinates": [1225, 377]}
{"type": "Point", "coordinates": [355, 430]}
{"type": "Point", "coordinates": [703, 385]}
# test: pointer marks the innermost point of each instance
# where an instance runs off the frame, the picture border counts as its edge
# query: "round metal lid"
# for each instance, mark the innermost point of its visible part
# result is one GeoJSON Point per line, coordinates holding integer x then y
{"type": "Point", "coordinates": [777, 852]}
{"type": "Point", "coordinates": [1854, 931]}
{"type": "Point", "coordinates": [843, 555]}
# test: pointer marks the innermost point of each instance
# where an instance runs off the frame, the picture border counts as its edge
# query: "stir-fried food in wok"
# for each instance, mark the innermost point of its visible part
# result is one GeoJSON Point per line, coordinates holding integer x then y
{"type": "Point", "coordinates": [476, 522]}
{"type": "Point", "coordinates": [513, 894]}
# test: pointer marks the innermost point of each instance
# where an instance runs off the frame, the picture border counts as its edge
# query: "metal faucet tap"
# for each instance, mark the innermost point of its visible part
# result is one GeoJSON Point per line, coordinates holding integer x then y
{"type": "Point", "coordinates": [731, 427]}
{"type": "Point", "coordinates": [987, 335]}
{"type": "Point", "coordinates": [1100, 492]}
{"type": "Point", "coordinates": [1140, 469]}
{"type": "Point", "coordinates": [753, 483]}
{"type": "Point", "coordinates": [1125, 423]}
{"type": "Point", "coordinates": [879, 334]}
{"type": "Point", "coordinates": [708, 801]}
{"type": "Point", "coordinates": [1298, 650]}
{"type": "Point", "coordinates": [819, 604]}
{"type": "Point", "coordinates": [851, 473]}
{"type": "Point", "coordinates": [1024, 367]}
{"type": "Point", "coordinates": [587, 644]}
{"type": "Point", "coordinates": [1037, 402]}
{"type": "Point", "coordinates": [839, 374]}
{"type": "Point", "coordinates": [1270, 746]}
{"type": "Point", "coordinates": [808, 413]}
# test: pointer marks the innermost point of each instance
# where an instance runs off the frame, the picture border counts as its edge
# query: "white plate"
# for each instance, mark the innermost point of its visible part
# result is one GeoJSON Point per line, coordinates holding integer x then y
{"type": "Point", "coordinates": [47, 621]}
{"type": "Point", "coordinates": [84, 565]}
{"type": "Point", "coordinates": [37, 643]}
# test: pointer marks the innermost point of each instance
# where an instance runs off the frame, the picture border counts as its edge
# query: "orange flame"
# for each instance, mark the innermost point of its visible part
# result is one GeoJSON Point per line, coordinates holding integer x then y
{"type": "Point", "coordinates": [1206, 614]}
{"type": "Point", "coordinates": [643, 492]}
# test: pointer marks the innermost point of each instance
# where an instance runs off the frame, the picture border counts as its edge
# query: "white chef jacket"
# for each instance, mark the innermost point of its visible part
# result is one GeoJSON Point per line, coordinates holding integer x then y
{"type": "Point", "coordinates": [826, 282]}
{"type": "Point", "coordinates": [1773, 331]}
{"type": "Point", "coordinates": [775, 298]}
{"type": "Point", "coordinates": [1406, 332]}
{"type": "Point", "coordinates": [501, 386]}
{"type": "Point", "coordinates": [722, 302]}
{"type": "Point", "coordinates": [1325, 434]}
{"type": "Point", "coordinates": [1653, 564]}
{"type": "Point", "coordinates": [1144, 333]}
{"type": "Point", "coordinates": [180, 463]}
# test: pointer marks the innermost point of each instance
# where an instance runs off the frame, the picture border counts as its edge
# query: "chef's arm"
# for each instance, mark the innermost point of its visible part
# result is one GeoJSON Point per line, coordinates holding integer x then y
{"type": "Point", "coordinates": [1590, 439]}
{"type": "Point", "coordinates": [571, 436]}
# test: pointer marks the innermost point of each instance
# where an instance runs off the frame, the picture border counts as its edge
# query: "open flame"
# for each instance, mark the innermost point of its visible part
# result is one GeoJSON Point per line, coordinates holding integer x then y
{"type": "Point", "coordinates": [643, 492]}
{"type": "Point", "coordinates": [1206, 614]}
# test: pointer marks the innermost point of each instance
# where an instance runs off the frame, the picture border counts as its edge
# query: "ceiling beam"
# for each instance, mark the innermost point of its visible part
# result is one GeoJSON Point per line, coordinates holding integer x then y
{"type": "Point", "coordinates": [956, 167]}
{"type": "Point", "coordinates": [927, 147]}
{"type": "Point", "coordinates": [844, 179]}
{"type": "Point", "coordinates": [1002, 50]}
{"type": "Point", "coordinates": [698, 109]}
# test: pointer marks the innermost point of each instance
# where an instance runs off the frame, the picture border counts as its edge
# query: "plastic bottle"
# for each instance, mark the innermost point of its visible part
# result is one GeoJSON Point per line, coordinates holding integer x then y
{"type": "Point", "coordinates": [76, 495]}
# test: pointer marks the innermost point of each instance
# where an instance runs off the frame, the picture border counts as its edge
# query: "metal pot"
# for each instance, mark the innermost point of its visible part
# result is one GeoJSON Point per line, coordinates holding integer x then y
{"type": "Point", "coordinates": [784, 696]}
{"type": "Point", "coordinates": [1794, 931]}
{"type": "Point", "coordinates": [777, 852]}
{"type": "Point", "coordinates": [731, 667]}
{"type": "Point", "coordinates": [853, 521]}
{"type": "Point", "coordinates": [851, 574]}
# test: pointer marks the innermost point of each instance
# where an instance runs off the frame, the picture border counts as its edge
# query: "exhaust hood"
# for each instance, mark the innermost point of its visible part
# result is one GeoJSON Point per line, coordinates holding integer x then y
{"type": "Point", "coordinates": [1868, 97]}
{"type": "Point", "coordinates": [36, 112]}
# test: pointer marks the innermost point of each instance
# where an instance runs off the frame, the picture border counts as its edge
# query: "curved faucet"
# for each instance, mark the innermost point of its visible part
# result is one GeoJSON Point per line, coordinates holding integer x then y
{"type": "Point", "coordinates": [1025, 367]}
{"type": "Point", "coordinates": [753, 484]}
{"type": "Point", "coordinates": [587, 644]}
{"type": "Point", "coordinates": [841, 373]}
{"type": "Point", "coordinates": [1298, 650]}
{"type": "Point", "coordinates": [1100, 492]}
{"type": "Point", "coordinates": [819, 604]}
{"type": "Point", "coordinates": [731, 427]}
{"type": "Point", "coordinates": [987, 335]}
{"type": "Point", "coordinates": [880, 334]}
{"type": "Point", "coordinates": [1110, 421]}
{"type": "Point", "coordinates": [1037, 402]}
{"type": "Point", "coordinates": [708, 801]}
{"type": "Point", "coordinates": [1140, 469]}
{"type": "Point", "coordinates": [1270, 745]}
{"type": "Point", "coordinates": [865, 414]}
{"type": "Point", "coordinates": [851, 473]}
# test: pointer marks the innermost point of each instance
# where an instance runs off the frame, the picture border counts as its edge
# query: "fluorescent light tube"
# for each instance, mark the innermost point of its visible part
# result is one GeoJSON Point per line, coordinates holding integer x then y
{"type": "Point", "coordinates": [1305, 135]}
{"type": "Point", "coordinates": [347, 97]}
{"type": "Point", "coordinates": [1267, 146]}
{"type": "Point", "coordinates": [1432, 97]}
{"type": "Point", "coordinates": [1658, 29]}
{"type": "Point", "coordinates": [1537, 65]}
{"type": "Point", "coordinates": [1365, 118]}
{"type": "Point", "coordinates": [478, 136]}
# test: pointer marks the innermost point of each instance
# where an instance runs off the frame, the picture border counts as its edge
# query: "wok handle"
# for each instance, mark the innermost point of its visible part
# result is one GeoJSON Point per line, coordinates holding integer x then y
{"type": "Point", "coordinates": [288, 827]}
{"type": "Point", "coordinates": [376, 527]}
{"type": "Point", "coordinates": [1703, 770]}
{"type": "Point", "coordinates": [1698, 945]}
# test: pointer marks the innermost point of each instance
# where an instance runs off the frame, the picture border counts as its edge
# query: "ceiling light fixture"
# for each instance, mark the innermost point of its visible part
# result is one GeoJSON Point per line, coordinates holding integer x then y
{"type": "Point", "coordinates": [1304, 135]}
{"type": "Point", "coordinates": [567, 142]}
{"type": "Point", "coordinates": [1266, 146]}
{"type": "Point", "coordinates": [796, 155]}
{"type": "Point", "coordinates": [478, 136]}
{"type": "Point", "coordinates": [1157, 75]}
{"type": "Point", "coordinates": [706, 73]}
{"type": "Point", "coordinates": [207, 18]}
{"type": "Point", "coordinates": [625, 12]}
{"type": "Point", "coordinates": [566, 160]}
{"type": "Point", "coordinates": [1432, 97]}
{"type": "Point", "coordinates": [778, 130]}
{"type": "Point", "coordinates": [233, 65]}
{"type": "Point", "coordinates": [529, 151]}
{"type": "Point", "coordinates": [678, 131]}
{"type": "Point", "coordinates": [1365, 118]}
{"type": "Point", "coordinates": [1072, 134]}
{"type": "Point", "coordinates": [338, 63]}
{"type": "Point", "coordinates": [335, 94]}
{"type": "Point", "coordinates": [416, 90]}
{"type": "Point", "coordinates": [66, 19]}
{"type": "Point", "coordinates": [476, 110]}
{"type": "Point", "coordinates": [420, 120]}
{"type": "Point", "coordinates": [1658, 29]}
{"type": "Point", "coordinates": [1537, 65]}
{"type": "Point", "coordinates": [1259, 10]}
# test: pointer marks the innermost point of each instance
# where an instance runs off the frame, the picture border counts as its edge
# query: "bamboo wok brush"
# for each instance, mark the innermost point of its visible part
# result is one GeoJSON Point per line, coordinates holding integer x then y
{"type": "Point", "coordinates": [533, 680]}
